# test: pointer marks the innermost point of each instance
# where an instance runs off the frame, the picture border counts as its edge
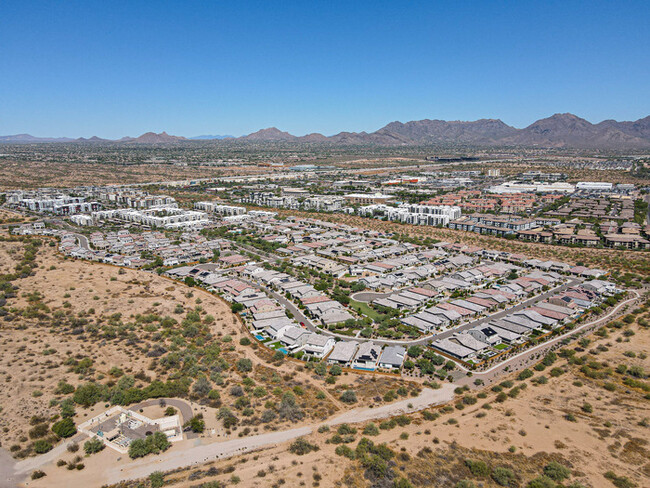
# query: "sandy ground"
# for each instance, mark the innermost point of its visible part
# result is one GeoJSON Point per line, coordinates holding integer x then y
{"type": "Point", "coordinates": [189, 453]}
{"type": "Point", "coordinates": [33, 354]}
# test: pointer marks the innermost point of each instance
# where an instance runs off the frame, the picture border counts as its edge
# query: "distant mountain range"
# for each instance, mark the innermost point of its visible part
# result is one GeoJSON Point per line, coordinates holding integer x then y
{"type": "Point", "coordinates": [208, 138]}
{"type": "Point", "coordinates": [559, 130]}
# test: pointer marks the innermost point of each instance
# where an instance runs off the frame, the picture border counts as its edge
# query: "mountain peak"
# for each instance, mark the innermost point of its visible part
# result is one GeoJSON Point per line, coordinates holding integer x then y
{"type": "Point", "coordinates": [153, 138]}
{"type": "Point", "coordinates": [270, 134]}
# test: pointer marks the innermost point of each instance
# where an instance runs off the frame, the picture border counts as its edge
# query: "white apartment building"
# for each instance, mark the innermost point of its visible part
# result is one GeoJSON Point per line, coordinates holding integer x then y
{"type": "Point", "coordinates": [220, 209]}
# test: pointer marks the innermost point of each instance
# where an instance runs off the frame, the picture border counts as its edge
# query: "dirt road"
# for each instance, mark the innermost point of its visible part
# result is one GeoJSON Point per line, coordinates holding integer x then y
{"type": "Point", "coordinates": [199, 451]}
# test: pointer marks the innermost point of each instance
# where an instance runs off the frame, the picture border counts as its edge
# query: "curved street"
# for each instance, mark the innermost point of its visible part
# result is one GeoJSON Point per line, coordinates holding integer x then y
{"type": "Point", "coordinates": [301, 317]}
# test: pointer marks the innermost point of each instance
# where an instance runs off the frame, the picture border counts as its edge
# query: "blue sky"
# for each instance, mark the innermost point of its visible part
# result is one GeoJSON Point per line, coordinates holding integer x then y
{"type": "Point", "coordinates": [210, 67]}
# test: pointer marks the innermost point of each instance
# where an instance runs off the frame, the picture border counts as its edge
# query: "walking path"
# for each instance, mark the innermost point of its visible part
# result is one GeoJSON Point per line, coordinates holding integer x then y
{"type": "Point", "coordinates": [521, 360]}
{"type": "Point", "coordinates": [202, 450]}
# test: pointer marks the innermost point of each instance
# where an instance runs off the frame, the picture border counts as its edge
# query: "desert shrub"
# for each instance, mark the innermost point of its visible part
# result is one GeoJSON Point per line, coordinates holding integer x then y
{"type": "Point", "coordinates": [42, 446]}
{"type": "Point", "coordinates": [345, 451]}
{"type": "Point", "coordinates": [157, 479]}
{"type": "Point", "coordinates": [320, 369]}
{"type": "Point", "coordinates": [64, 428]}
{"type": "Point", "coordinates": [64, 388]}
{"type": "Point", "coordinates": [469, 400]}
{"type": "Point", "coordinates": [37, 474]}
{"type": "Point", "coordinates": [196, 423]}
{"type": "Point", "coordinates": [289, 409]}
{"type": "Point", "coordinates": [371, 429]}
{"type": "Point", "coordinates": [503, 476]}
{"type": "Point", "coordinates": [202, 387]}
{"type": "Point", "coordinates": [93, 445]}
{"type": "Point", "coordinates": [349, 396]}
{"type": "Point", "coordinates": [301, 447]}
{"type": "Point", "coordinates": [245, 365]}
{"type": "Point", "coordinates": [619, 481]}
{"type": "Point", "coordinates": [465, 484]}
{"type": "Point", "coordinates": [268, 416]}
{"type": "Point", "coordinates": [556, 471]}
{"type": "Point", "coordinates": [525, 374]}
{"type": "Point", "coordinates": [88, 394]}
{"type": "Point", "coordinates": [402, 483]}
{"type": "Point", "coordinates": [152, 444]}
{"type": "Point", "coordinates": [542, 482]}
{"type": "Point", "coordinates": [478, 468]}
{"type": "Point", "coordinates": [402, 420]}
{"type": "Point", "coordinates": [38, 431]}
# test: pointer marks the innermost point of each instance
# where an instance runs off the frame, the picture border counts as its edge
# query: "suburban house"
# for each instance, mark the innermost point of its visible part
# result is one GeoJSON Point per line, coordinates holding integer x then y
{"type": "Point", "coordinates": [343, 352]}
{"type": "Point", "coordinates": [392, 357]}
{"type": "Point", "coordinates": [454, 349]}
{"type": "Point", "coordinates": [294, 337]}
{"type": "Point", "coordinates": [276, 328]}
{"type": "Point", "coordinates": [318, 345]}
{"type": "Point", "coordinates": [367, 355]}
{"type": "Point", "coordinates": [485, 334]}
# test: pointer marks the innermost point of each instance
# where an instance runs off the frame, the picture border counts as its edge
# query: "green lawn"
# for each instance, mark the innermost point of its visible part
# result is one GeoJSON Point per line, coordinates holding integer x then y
{"type": "Point", "coordinates": [365, 309]}
{"type": "Point", "coordinates": [275, 345]}
{"type": "Point", "coordinates": [501, 347]}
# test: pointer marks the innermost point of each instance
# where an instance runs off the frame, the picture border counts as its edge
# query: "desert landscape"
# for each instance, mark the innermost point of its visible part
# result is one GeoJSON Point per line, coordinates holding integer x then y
{"type": "Point", "coordinates": [580, 406]}
{"type": "Point", "coordinates": [314, 245]}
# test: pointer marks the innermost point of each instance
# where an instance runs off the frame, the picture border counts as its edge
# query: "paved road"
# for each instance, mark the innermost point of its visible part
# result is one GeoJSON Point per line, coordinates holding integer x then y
{"type": "Point", "coordinates": [184, 407]}
{"type": "Point", "coordinates": [297, 313]}
{"type": "Point", "coordinates": [369, 296]}
{"type": "Point", "coordinates": [83, 241]}
{"type": "Point", "coordinates": [498, 315]}
{"type": "Point", "coordinates": [254, 250]}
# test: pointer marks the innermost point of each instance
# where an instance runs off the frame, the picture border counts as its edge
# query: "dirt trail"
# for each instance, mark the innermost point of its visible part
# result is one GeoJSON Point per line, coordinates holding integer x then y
{"type": "Point", "coordinates": [198, 451]}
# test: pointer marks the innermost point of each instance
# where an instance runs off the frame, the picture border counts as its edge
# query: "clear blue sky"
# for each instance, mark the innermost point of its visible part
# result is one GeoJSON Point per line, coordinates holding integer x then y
{"type": "Point", "coordinates": [83, 68]}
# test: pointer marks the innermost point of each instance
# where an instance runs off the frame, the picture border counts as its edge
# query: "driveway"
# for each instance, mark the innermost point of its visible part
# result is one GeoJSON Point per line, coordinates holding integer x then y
{"type": "Point", "coordinates": [199, 453]}
{"type": "Point", "coordinates": [184, 407]}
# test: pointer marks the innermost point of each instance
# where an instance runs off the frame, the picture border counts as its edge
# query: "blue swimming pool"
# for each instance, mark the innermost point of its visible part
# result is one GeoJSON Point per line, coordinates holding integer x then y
{"type": "Point", "coordinates": [363, 369]}
{"type": "Point", "coordinates": [259, 337]}
{"type": "Point", "coordinates": [283, 350]}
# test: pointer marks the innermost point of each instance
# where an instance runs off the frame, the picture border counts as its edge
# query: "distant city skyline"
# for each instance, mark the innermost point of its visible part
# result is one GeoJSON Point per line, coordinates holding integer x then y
{"type": "Point", "coordinates": [80, 69]}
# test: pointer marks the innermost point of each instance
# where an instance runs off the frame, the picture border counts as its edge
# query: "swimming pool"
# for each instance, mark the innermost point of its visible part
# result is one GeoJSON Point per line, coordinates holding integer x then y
{"type": "Point", "coordinates": [259, 337]}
